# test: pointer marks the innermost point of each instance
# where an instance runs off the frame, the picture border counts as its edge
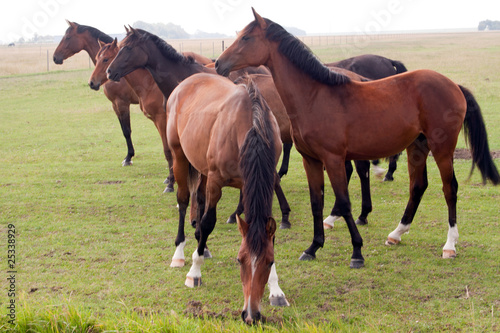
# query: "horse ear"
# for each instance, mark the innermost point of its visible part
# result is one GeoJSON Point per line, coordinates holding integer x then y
{"type": "Point", "coordinates": [115, 42]}
{"type": "Point", "coordinates": [101, 43]}
{"type": "Point", "coordinates": [132, 30]}
{"type": "Point", "coordinates": [259, 19]}
{"type": "Point", "coordinates": [126, 29]}
{"type": "Point", "coordinates": [271, 227]}
{"type": "Point", "coordinates": [71, 24]}
{"type": "Point", "coordinates": [242, 226]}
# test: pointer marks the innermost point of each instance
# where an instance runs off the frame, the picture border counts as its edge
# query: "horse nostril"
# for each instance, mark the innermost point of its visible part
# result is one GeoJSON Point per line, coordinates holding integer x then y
{"type": "Point", "coordinates": [244, 315]}
{"type": "Point", "coordinates": [216, 64]}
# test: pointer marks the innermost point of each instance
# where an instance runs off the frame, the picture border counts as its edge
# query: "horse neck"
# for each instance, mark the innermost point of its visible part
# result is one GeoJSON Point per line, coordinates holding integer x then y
{"type": "Point", "coordinates": [168, 74]}
{"type": "Point", "coordinates": [140, 81]}
{"type": "Point", "coordinates": [91, 46]}
{"type": "Point", "coordinates": [295, 87]}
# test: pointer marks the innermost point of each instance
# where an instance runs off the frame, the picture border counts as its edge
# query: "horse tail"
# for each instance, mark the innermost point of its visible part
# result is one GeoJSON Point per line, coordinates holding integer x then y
{"type": "Point", "coordinates": [257, 165]}
{"type": "Point", "coordinates": [400, 67]}
{"type": "Point", "coordinates": [476, 137]}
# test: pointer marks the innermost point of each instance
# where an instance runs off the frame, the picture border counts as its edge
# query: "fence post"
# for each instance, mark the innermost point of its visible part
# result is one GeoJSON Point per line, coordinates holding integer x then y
{"type": "Point", "coordinates": [47, 60]}
{"type": "Point", "coordinates": [222, 46]}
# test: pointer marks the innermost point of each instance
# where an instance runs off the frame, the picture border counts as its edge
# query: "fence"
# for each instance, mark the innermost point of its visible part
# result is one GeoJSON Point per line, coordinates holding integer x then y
{"type": "Point", "coordinates": [36, 58]}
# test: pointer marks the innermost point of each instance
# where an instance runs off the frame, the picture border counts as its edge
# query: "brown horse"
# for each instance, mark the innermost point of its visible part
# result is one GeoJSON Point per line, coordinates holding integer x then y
{"type": "Point", "coordinates": [334, 119]}
{"type": "Point", "coordinates": [81, 37]}
{"type": "Point", "coordinates": [150, 96]}
{"type": "Point", "coordinates": [228, 134]}
{"type": "Point", "coordinates": [198, 58]}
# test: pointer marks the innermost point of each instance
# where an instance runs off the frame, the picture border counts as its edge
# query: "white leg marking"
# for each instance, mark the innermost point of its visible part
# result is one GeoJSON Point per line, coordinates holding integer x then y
{"type": "Point", "coordinates": [400, 230]}
{"type": "Point", "coordinates": [330, 221]}
{"type": "Point", "coordinates": [378, 171]}
{"type": "Point", "coordinates": [274, 289]}
{"type": "Point", "coordinates": [178, 258]}
{"type": "Point", "coordinates": [193, 277]}
{"type": "Point", "coordinates": [452, 238]}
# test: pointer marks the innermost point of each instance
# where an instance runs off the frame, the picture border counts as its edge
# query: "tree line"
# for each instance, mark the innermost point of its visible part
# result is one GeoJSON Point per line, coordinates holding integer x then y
{"type": "Point", "coordinates": [488, 25]}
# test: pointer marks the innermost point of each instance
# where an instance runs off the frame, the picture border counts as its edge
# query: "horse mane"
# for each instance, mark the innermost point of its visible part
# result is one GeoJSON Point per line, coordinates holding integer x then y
{"type": "Point", "coordinates": [257, 158]}
{"type": "Point", "coordinates": [95, 33]}
{"type": "Point", "coordinates": [302, 56]}
{"type": "Point", "coordinates": [165, 49]}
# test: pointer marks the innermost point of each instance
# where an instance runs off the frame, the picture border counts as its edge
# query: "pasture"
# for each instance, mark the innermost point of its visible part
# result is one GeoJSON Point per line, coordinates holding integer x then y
{"type": "Point", "coordinates": [94, 239]}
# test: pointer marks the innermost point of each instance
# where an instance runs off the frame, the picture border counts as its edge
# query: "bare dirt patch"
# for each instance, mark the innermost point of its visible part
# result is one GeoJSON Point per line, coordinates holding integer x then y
{"type": "Point", "coordinates": [465, 154]}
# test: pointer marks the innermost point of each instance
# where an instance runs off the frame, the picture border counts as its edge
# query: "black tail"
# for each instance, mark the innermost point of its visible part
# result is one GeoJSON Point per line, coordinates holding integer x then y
{"type": "Point", "coordinates": [257, 164]}
{"type": "Point", "coordinates": [400, 68]}
{"type": "Point", "coordinates": [475, 135]}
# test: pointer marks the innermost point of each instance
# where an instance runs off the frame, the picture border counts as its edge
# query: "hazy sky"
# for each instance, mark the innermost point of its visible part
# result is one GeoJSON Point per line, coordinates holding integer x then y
{"type": "Point", "coordinates": [22, 18]}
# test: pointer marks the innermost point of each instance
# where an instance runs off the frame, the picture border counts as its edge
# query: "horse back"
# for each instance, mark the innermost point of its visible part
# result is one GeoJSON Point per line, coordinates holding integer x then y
{"type": "Point", "coordinates": [208, 117]}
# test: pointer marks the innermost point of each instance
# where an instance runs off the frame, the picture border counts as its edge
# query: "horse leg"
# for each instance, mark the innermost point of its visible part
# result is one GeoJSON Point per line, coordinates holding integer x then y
{"type": "Point", "coordinates": [329, 222]}
{"type": "Point", "coordinates": [122, 111]}
{"type": "Point", "coordinates": [450, 190]}
{"type": "Point", "coordinates": [181, 168]}
{"type": "Point", "coordinates": [342, 207]}
{"type": "Point", "coordinates": [393, 165]}
{"type": "Point", "coordinates": [287, 147]}
{"type": "Point", "coordinates": [276, 295]}
{"type": "Point", "coordinates": [161, 125]}
{"type": "Point", "coordinates": [284, 206]}
{"type": "Point", "coordinates": [205, 227]}
{"type": "Point", "coordinates": [200, 210]}
{"type": "Point", "coordinates": [315, 179]}
{"type": "Point", "coordinates": [238, 211]}
{"type": "Point", "coordinates": [377, 170]}
{"type": "Point", "coordinates": [417, 169]}
{"type": "Point", "coordinates": [363, 170]}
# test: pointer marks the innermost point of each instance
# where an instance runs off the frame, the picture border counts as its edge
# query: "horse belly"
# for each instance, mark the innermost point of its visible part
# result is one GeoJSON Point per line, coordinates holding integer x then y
{"type": "Point", "coordinates": [382, 140]}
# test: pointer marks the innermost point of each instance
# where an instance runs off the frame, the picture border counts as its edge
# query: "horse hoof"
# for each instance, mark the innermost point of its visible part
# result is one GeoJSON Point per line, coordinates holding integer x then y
{"type": "Point", "coordinates": [126, 163]}
{"type": "Point", "coordinates": [278, 301]}
{"type": "Point", "coordinates": [307, 257]}
{"type": "Point", "coordinates": [449, 254]}
{"type": "Point", "coordinates": [361, 222]}
{"type": "Point", "coordinates": [391, 241]}
{"type": "Point", "coordinates": [168, 189]}
{"type": "Point", "coordinates": [357, 263]}
{"type": "Point", "coordinates": [285, 225]}
{"type": "Point", "coordinates": [327, 226]}
{"type": "Point", "coordinates": [177, 263]}
{"type": "Point", "coordinates": [207, 254]}
{"type": "Point", "coordinates": [388, 179]}
{"type": "Point", "coordinates": [192, 282]}
{"type": "Point", "coordinates": [231, 220]}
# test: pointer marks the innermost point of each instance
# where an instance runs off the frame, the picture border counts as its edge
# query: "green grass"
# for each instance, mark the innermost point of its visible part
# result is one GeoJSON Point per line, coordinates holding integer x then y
{"type": "Point", "coordinates": [95, 239]}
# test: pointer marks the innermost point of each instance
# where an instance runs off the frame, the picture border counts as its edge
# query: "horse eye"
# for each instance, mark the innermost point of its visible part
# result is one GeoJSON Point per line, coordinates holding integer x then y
{"type": "Point", "coordinates": [105, 60]}
{"type": "Point", "coordinates": [245, 38]}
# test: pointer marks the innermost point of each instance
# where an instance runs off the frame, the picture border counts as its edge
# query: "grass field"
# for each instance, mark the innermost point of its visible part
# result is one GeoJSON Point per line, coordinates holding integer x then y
{"type": "Point", "coordinates": [94, 239]}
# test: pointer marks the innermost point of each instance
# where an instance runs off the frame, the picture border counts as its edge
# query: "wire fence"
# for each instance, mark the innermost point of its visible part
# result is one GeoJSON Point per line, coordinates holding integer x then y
{"type": "Point", "coordinates": [37, 58]}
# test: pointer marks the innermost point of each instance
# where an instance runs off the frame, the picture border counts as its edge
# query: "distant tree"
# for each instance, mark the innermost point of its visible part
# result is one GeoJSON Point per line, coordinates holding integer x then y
{"type": "Point", "coordinates": [296, 31]}
{"type": "Point", "coordinates": [168, 31]}
{"type": "Point", "coordinates": [488, 25]}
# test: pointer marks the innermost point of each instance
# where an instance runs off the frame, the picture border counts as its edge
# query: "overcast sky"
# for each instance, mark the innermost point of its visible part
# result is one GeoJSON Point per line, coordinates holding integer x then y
{"type": "Point", "coordinates": [22, 18]}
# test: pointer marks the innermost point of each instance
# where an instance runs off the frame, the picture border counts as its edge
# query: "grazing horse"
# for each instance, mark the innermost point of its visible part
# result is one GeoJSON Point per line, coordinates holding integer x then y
{"type": "Point", "coordinates": [140, 49]}
{"type": "Point", "coordinates": [336, 119]}
{"type": "Point", "coordinates": [150, 97]}
{"type": "Point", "coordinates": [228, 134]}
{"type": "Point", "coordinates": [81, 37]}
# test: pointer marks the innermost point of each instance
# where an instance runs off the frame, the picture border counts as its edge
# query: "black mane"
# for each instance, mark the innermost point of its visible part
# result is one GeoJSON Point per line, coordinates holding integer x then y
{"type": "Point", "coordinates": [301, 56]}
{"type": "Point", "coordinates": [96, 33]}
{"type": "Point", "coordinates": [166, 49]}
